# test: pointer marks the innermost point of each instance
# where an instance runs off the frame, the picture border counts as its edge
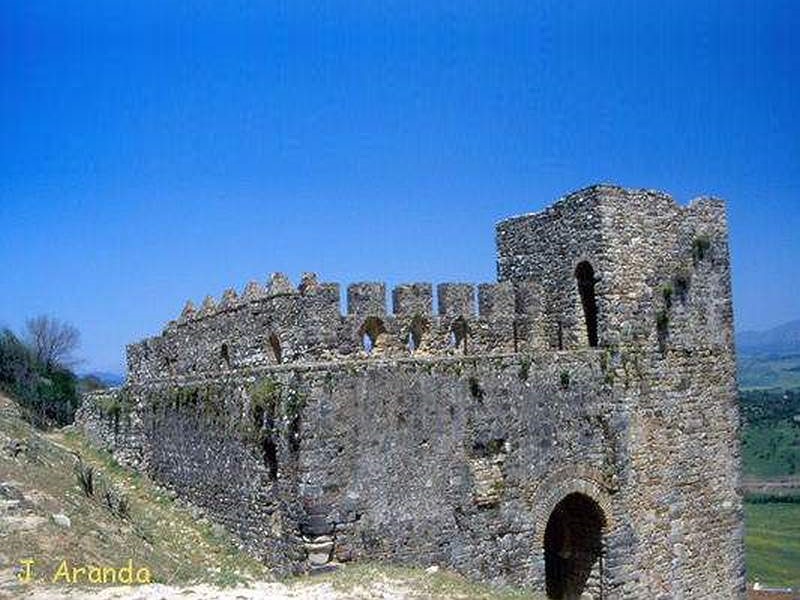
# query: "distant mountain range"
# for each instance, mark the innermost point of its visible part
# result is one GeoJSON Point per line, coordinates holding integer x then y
{"type": "Point", "coordinates": [108, 378]}
{"type": "Point", "coordinates": [781, 340]}
{"type": "Point", "coordinates": [770, 358]}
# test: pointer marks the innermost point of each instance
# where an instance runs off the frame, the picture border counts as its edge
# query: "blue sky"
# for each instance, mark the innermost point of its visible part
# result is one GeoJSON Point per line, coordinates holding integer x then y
{"type": "Point", "coordinates": [152, 152]}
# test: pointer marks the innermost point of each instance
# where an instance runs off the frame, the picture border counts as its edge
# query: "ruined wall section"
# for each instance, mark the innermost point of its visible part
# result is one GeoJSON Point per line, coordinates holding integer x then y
{"type": "Point", "coordinates": [216, 443]}
{"type": "Point", "coordinates": [283, 324]}
{"type": "Point", "coordinates": [108, 420]}
{"type": "Point", "coordinates": [452, 461]}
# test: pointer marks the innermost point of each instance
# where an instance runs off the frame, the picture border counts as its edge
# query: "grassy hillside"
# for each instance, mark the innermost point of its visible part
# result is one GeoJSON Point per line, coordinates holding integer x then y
{"type": "Point", "coordinates": [773, 543]}
{"type": "Point", "coordinates": [127, 517]}
{"type": "Point", "coordinates": [771, 433]}
{"type": "Point", "coordinates": [771, 464]}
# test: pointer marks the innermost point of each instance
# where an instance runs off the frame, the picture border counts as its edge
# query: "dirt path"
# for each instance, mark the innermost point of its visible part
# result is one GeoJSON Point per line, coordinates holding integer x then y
{"type": "Point", "coordinates": [383, 588]}
{"type": "Point", "coordinates": [260, 591]}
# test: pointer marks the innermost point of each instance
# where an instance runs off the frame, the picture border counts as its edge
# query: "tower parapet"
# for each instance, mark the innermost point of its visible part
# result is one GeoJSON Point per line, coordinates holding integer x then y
{"type": "Point", "coordinates": [620, 267]}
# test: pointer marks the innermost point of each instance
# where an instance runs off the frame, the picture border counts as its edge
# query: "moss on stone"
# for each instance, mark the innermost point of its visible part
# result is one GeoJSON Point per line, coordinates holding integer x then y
{"type": "Point", "coordinates": [666, 292]}
{"type": "Point", "coordinates": [701, 247]}
{"type": "Point", "coordinates": [524, 368]}
{"type": "Point", "coordinates": [265, 394]}
{"type": "Point", "coordinates": [564, 379]}
{"type": "Point", "coordinates": [294, 405]}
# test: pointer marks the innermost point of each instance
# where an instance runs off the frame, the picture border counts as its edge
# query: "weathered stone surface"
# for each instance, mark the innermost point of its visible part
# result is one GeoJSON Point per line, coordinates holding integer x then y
{"type": "Point", "coordinates": [585, 418]}
{"type": "Point", "coordinates": [61, 520]}
{"type": "Point", "coordinates": [319, 553]}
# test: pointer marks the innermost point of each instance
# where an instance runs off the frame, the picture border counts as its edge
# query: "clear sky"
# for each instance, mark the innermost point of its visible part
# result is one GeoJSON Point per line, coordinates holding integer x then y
{"type": "Point", "coordinates": [155, 151]}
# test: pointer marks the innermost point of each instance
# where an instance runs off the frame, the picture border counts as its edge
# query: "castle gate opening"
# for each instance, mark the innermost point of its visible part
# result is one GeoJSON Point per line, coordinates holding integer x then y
{"type": "Point", "coordinates": [573, 549]}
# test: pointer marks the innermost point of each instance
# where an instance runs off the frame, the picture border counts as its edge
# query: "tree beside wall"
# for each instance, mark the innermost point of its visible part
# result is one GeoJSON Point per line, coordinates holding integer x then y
{"type": "Point", "coordinates": [35, 369]}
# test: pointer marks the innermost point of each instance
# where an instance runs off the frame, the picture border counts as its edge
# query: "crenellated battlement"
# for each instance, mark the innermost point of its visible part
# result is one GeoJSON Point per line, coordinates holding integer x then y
{"type": "Point", "coordinates": [280, 323]}
{"type": "Point", "coordinates": [369, 298]}
{"type": "Point", "coordinates": [590, 270]}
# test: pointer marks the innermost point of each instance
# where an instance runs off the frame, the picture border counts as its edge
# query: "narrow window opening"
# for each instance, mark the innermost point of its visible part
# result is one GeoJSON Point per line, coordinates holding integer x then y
{"type": "Point", "coordinates": [294, 434]}
{"type": "Point", "coordinates": [366, 342]}
{"type": "Point", "coordinates": [370, 331]}
{"type": "Point", "coordinates": [275, 344]}
{"type": "Point", "coordinates": [258, 416]}
{"type": "Point", "coordinates": [270, 454]}
{"type": "Point", "coordinates": [415, 333]}
{"type": "Point", "coordinates": [586, 282]}
{"type": "Point", "coordinates": [459, 332]}
{"type": "Point", "coordinates": [226, 357]}
{"type": "Point", "coordinates": [411, 345]}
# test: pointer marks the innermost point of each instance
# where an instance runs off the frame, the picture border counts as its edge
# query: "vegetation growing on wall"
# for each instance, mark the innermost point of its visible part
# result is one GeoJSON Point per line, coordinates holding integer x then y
{"type": "Point", "coordinates": [115, 406]}
{"type": "Point", "coordinates": [524, 368]}
{"type": "Point", "coordinates": [606, 366]}
{"type": "Point", "coordinates": [293, 409]}
{"type": "Point", "coordinates": [701, 246]}
{"type": "Point", "coordinates": [666, 292]}
{"type": "Point", "coordinates": [275, 410]}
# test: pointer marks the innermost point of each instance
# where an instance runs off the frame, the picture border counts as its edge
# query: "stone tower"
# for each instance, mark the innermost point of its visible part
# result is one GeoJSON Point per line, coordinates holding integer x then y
{"type": "Point", "coordinates": [647, 284]}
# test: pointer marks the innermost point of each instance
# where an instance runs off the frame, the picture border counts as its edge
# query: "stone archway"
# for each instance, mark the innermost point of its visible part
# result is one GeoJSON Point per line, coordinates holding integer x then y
{"type": "Point", "coordinates": [573, 547]}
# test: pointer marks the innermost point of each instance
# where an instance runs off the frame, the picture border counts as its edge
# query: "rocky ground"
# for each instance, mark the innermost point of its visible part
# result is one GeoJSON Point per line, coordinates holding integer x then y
{"type": "Point", "coordinates": [352, 582]}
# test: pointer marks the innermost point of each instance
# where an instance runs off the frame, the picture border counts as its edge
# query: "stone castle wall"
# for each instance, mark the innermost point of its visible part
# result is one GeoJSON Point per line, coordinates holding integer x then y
{"type": "Point", "coordinates": [535, 454]}
{"type": "Point", "coordinates": [281, 323]}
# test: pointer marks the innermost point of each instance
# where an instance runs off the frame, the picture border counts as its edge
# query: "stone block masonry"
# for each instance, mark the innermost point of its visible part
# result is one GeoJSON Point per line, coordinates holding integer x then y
{"type": "Point", "coordinates": [571, 428]}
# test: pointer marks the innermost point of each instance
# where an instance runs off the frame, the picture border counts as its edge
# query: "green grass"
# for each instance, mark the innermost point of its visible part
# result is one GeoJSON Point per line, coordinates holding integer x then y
{"type": "Point", "coordinates": [172, 542]}
{"type": "Point", "coordinates": [773, 543]}
{"type": "Point", "coordinates": [771, 449]}
{"type": "Point", "coordinates": [770, 435]}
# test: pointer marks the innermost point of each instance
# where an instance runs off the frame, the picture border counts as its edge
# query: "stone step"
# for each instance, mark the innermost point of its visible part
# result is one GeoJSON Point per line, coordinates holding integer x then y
{"type": "Point", "coordinates": [319, 553]}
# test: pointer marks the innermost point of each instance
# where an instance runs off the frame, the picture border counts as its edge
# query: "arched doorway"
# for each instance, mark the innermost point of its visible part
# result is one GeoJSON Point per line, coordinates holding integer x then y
{"type": "Point", "coordinates": [573, 546]}
{"type": "Point", "coordinates": [370, 331]}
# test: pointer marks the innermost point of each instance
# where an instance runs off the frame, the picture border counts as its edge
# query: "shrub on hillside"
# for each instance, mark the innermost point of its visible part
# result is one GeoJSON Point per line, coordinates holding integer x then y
{"type": "Point", "coordinates": [47, 392]}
